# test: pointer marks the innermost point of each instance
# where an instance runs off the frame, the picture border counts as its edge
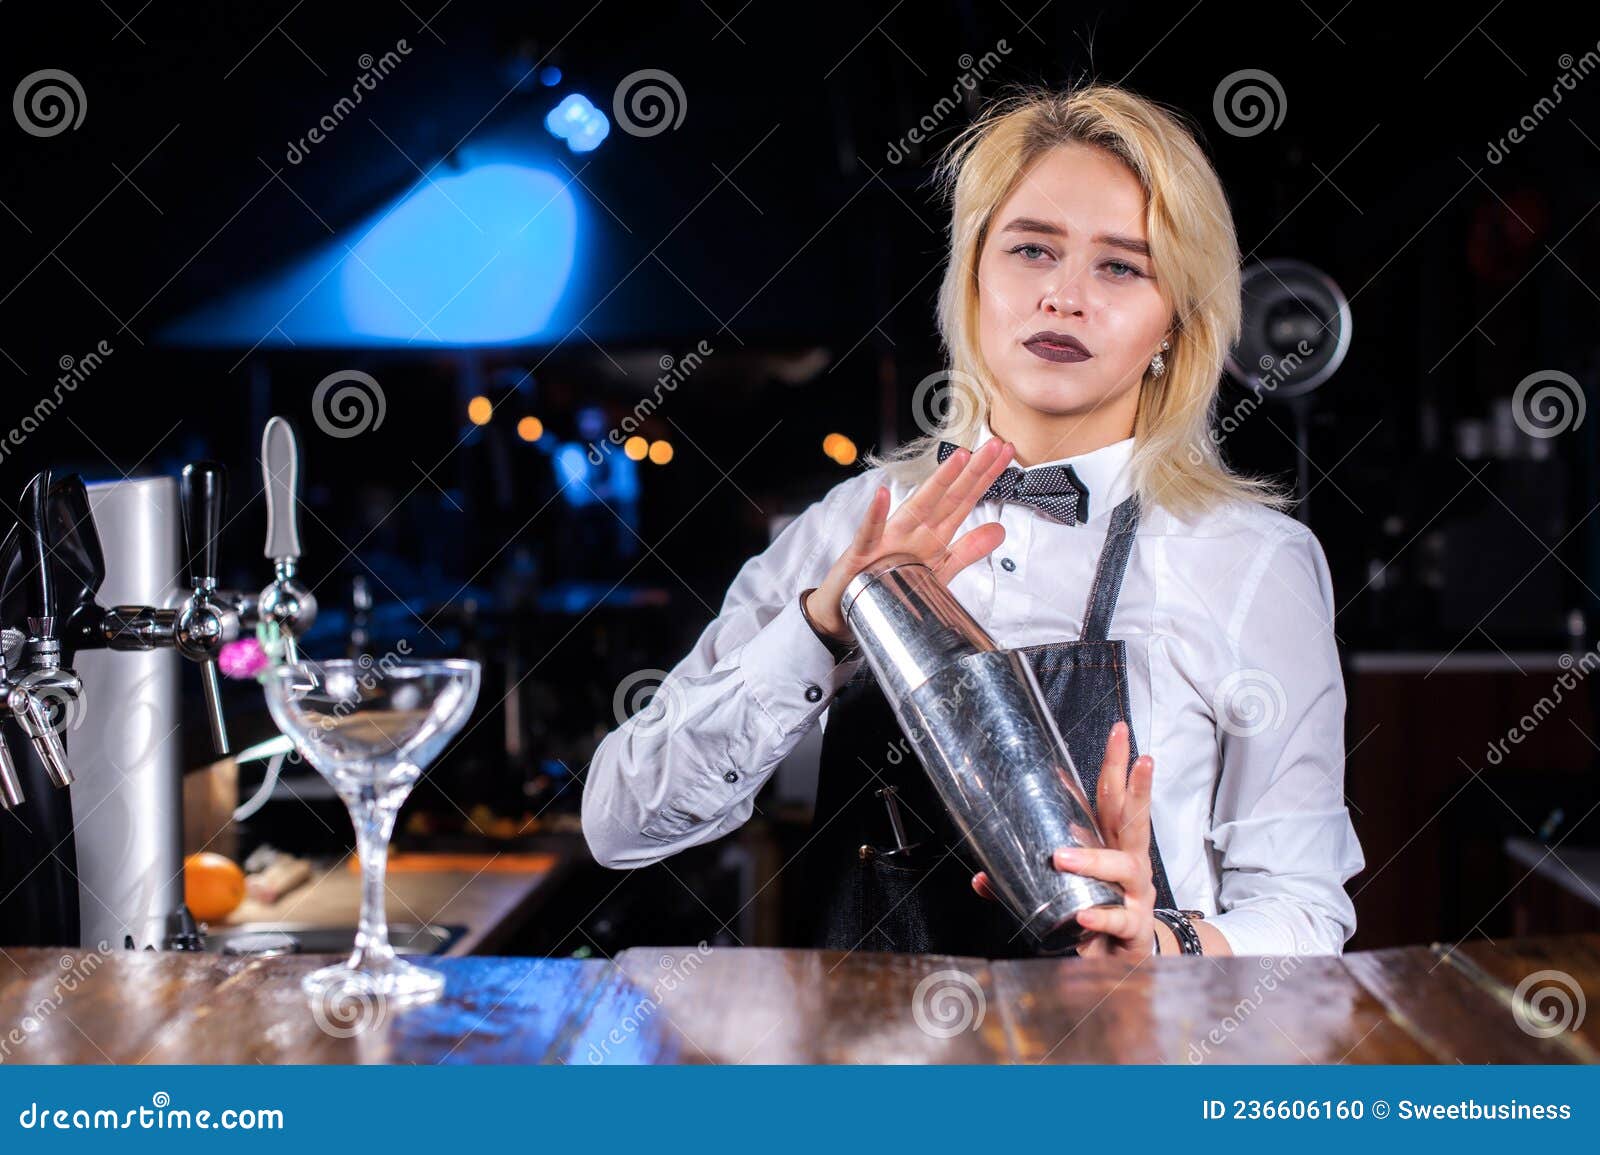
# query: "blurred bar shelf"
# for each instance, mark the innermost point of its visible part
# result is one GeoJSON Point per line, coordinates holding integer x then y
{"type": "Point", "coordinates": [480, 899]}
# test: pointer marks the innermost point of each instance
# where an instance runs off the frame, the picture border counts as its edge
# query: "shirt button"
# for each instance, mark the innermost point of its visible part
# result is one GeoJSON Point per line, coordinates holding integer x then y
{"type": "Point", "coordinates": [731, 776]}
{"type": "Point", "coordinates": [813, 693]}
{"type": "Point", "coordinates": [1008, 565]}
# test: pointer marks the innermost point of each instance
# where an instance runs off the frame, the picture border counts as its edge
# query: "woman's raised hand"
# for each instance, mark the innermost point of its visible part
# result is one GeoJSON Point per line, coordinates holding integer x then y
{"type": "Point", "coordinates": [921, 527]}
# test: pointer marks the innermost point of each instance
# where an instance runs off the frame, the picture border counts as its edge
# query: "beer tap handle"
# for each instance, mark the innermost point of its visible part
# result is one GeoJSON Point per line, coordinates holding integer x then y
{"type": "Point", "coordinates": [286, 601]}
{"type": "Point", "coordinates": [44, 648]}
{"type": "Point", "coordinates": [11, 795]}
{"type": "Point", "coordinates": [36, 523]}
{"type": "Point", "coordinates": [202, 492]}
{"type": "Point", "coordinates": [27, 698]}
{"type": "Point", "coordinates": [34, 714]}
{"type": "Point", "coordinates": [280, 469]}
{"type": "Point", "coordinates": [202, 623]}
{"type": "Point", "coordinates": [211, 685]}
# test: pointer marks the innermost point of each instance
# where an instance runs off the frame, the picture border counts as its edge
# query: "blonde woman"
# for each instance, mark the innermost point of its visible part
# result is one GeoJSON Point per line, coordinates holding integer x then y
{"type": "Point", "coordinates": [1075, 501]}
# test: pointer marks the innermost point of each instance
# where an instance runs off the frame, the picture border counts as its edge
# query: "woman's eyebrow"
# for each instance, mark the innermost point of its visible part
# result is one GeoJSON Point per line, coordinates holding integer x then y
{"type": "Point", "coordinates": [1115, 240]}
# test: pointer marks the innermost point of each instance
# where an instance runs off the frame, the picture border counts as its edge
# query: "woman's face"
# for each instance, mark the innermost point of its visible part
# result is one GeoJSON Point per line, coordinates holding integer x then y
{"type": "Point", "coordinates": [1066, 255]}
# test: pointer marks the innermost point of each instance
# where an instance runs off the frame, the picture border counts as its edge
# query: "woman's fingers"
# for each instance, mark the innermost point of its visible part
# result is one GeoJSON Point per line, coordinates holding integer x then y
{"type": "Point", "coordinates": [968, 548]}
{"type": "Point", "coordinates": [986, 465]}
{"type": "Point", "coordinates": [1003, 459]}
{"type": "Point", "coordinates": [983, 475]}
{"type": "Point", "coordinates": [926, 520]}
{"type": "Point", "coordinates": [1135, 829]}
{"type": "Point", "coordinates": [957, 491]}
{"type": "Point", "coordinates": [1116, 921]}
{"type": "Point", "coordinates": [1128, 870]}
{"type": "Point", "coordinates": [919, 507]}
{"type": "Point", "coordinates": [1111, 789]}
{"type": "Point", "coordinates": [870, 532]}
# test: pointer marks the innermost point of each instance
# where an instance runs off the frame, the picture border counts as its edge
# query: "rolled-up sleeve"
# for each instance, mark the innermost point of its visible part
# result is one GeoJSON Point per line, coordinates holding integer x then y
{"type": "Point", "coordinates": [1280, 825]}
{"type": "Point", "coordinates": [685, 770]}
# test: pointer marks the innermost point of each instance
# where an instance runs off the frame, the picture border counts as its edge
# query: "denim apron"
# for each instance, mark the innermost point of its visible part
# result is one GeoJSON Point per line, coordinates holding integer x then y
{"type": "Point", "coordinates": [866, 893]}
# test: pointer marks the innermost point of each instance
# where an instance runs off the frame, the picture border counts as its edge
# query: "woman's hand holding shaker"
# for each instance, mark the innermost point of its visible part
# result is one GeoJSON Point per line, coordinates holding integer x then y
{"type": "Point", "coordinates": [977, 719]}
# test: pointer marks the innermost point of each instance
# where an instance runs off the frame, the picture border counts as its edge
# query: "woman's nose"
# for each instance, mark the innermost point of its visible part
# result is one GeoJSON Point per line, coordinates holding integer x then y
{"type": "Point", "coordinates": [1068, 292]}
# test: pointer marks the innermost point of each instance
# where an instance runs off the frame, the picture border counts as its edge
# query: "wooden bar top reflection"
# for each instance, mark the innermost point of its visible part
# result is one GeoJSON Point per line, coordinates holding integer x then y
{"type": "Point", "coordinates": [1520, 1000]}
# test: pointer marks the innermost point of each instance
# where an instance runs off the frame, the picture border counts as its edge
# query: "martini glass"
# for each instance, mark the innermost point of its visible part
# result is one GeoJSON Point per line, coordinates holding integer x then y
{"type": "Point", "coordinates": [370, 730]}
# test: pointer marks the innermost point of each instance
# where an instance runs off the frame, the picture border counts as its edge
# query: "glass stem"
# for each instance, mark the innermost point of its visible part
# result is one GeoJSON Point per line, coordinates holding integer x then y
{"type": "Point", "coordinates": [373, 818]}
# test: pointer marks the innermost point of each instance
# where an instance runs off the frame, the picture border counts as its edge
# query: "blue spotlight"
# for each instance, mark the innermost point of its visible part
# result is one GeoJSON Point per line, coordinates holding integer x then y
{"type": "Point", "coordinates": [469, 259]}
{"type": "Point", "coordinates": [483, 256]}
{"type": "Point", "coordinates": [578, 122]}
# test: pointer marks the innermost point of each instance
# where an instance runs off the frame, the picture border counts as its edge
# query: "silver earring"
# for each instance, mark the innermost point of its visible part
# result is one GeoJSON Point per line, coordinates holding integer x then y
{"type": "Point", "coordinates": [1158, 363]}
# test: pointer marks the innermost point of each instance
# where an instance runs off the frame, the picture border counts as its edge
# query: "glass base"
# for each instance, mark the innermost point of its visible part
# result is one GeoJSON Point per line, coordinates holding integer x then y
{"type": "Point", "coordinates": [376, 984]}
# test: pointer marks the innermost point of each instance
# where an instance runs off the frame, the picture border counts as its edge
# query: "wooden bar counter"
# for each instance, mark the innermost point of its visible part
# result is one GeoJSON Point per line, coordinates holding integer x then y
{"type": "Point", "coordinates": [1479, 1002]}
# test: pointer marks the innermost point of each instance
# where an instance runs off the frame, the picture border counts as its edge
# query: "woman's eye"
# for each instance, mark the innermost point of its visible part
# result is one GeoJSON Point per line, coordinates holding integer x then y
{"type": "Point", "coordinates": [1031, 252]}
{"type": "Point", "coordinates": [1123, 271]}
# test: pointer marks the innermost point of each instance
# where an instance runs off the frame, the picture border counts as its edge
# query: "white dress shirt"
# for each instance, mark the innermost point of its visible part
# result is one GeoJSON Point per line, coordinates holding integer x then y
{"type": "Point", "coordinates": [1233, 674]}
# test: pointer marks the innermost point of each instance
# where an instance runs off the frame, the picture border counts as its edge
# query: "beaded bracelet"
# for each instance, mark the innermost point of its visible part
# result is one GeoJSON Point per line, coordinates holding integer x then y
{"type": "Point", "coordinates": [1182, 929]}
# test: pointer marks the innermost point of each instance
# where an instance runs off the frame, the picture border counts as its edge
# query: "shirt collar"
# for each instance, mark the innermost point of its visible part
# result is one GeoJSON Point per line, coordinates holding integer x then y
{"type": "Point", "coordinates": [1105, 471]}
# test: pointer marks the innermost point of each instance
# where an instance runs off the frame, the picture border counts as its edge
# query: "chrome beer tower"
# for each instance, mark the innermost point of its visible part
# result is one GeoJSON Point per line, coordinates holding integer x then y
{"type": "Point", "coordinates": [100, 858]}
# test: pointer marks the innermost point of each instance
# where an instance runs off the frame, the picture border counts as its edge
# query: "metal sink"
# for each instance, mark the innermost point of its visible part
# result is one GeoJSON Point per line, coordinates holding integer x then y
{"type": "Point", "coordinates": [271, 938]}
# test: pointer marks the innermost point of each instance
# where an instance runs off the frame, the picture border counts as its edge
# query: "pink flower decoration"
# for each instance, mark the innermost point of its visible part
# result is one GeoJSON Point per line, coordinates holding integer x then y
{"type": "Point", "coordinates": [243, 658]}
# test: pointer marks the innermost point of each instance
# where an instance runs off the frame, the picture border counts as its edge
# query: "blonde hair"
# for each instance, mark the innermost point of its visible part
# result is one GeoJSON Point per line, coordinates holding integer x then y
{"type": "Point", "coordinates": [1176, 461]}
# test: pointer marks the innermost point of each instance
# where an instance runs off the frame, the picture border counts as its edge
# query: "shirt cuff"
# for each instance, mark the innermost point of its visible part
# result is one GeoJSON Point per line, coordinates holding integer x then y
{"type": "Point", "coordinates": [791, 674]}
{"type": "Point", "coordinates": [1281, 928]}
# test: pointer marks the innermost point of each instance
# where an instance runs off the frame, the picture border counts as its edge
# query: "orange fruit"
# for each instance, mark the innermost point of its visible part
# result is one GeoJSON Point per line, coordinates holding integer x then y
{"type": "Point", "coordinates": [213, 886]}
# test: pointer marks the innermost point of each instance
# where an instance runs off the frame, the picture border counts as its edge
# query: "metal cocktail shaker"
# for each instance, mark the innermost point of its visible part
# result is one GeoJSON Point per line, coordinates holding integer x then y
{"type": "Point", "coordinates": [977, 719]}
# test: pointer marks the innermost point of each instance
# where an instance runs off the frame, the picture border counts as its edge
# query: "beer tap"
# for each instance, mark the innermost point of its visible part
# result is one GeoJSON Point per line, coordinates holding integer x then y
{"type": "Point", "coordinates": [286, 601]}
{"type": "Point", "coordinates": [205, 622]}
{"type": "Point", "coordinates": [29, 698]}
{"type": "Point", "coordinates": [11, 795]}
{"type": "Point", "coordinates": [28, 701]}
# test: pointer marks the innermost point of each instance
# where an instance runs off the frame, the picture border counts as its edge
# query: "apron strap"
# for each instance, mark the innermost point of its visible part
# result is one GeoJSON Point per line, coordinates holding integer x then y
{"type": "Point", "coordinates": [1109, 573]}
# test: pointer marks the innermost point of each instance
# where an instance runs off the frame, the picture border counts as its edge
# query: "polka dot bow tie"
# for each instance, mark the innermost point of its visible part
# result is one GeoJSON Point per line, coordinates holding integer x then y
{"type": "Point", "coordinates": [1054, 490]}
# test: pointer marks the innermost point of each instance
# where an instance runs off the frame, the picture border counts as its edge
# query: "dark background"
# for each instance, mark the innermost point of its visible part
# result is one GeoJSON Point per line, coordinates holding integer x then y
{"type": "Point", "coordinates": [776, 224]}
